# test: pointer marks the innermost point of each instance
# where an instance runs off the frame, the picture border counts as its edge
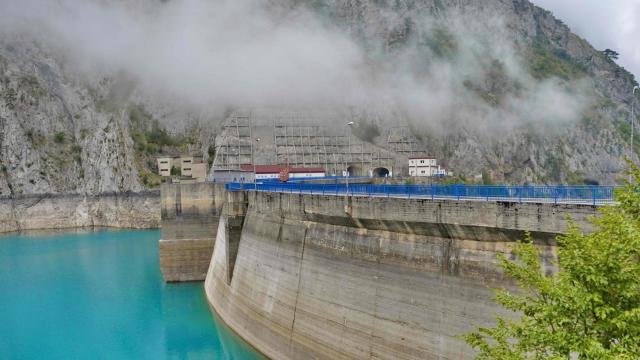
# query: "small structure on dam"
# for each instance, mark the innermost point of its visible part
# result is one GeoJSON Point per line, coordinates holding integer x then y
{"type": "Point", "coordinates": [301, 275]}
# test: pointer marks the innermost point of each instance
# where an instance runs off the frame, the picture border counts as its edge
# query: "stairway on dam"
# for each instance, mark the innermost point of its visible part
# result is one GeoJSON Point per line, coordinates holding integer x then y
{"type": "Point", "coordinates": [334, 277]}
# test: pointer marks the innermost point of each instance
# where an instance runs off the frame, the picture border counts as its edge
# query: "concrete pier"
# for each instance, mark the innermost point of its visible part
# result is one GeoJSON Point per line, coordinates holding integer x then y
{"type": "Point", "coordinates": [330, 277]}
{"type": "Point", "coordinates": [189, 218]}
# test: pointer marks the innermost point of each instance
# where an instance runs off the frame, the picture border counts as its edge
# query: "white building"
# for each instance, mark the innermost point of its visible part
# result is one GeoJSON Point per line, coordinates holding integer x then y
{"type": "Point", "coordinates": [425, 166]}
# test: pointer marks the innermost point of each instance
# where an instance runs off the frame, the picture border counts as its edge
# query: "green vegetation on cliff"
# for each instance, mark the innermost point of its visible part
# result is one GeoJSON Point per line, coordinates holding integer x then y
{"type": "Point", "coordinates": [151, 140]}
{"type": "Point", "coordinates": [545, 62]}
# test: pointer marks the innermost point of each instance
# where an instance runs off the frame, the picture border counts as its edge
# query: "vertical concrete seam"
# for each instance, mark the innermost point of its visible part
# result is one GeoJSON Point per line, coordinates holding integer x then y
{"type": "Point", "coordinates": [375, 299]}
{"type": "Point", "coordinates": [295, 307]}
{"type": "Point", "coordinates": [178, 200]}
{"type": "Point", "coordinates": [226, 248]}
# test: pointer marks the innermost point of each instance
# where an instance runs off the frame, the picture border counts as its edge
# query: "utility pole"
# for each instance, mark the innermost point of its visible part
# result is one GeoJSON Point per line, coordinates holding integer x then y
{"type": "Point", "coordinates": [255, 175]}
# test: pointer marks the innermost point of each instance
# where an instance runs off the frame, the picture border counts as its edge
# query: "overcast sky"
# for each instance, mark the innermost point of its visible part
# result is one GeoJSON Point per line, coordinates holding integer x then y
{"type": "Point", "coordinates": [613, 24]}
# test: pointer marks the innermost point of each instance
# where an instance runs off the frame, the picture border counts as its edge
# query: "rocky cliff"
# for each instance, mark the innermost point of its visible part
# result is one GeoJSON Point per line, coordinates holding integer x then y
{"type": "Point", "coordinates": [121, 210]}
{"type": "Point", "coordinates": [498, 57]}
{"type": "Point", "coordinates": [501, 87]}
{"type": "Point", "coordinates": [65, 133]}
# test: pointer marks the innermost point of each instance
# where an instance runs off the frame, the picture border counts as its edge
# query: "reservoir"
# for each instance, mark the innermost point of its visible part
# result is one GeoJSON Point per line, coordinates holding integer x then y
{"type": "Point", "coordinates": [100, 295]}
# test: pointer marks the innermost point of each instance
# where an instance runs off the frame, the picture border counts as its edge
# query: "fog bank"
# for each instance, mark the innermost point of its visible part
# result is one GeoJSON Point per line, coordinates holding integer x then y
{"type": "Point", "coordinates": [249, 53]}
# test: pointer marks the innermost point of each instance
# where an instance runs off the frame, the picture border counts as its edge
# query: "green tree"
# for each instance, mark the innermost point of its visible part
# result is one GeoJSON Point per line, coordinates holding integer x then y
{"type": "Point", "coordinates": [611, 54]}
{"type": "Point", "coordinates": [486, 178]}
{"type": "Point", "coordinates": [589, 308]}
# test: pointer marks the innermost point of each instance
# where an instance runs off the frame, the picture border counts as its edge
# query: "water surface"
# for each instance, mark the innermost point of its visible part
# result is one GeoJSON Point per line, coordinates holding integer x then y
{"type": "Point", "coordinates": [100, 295]}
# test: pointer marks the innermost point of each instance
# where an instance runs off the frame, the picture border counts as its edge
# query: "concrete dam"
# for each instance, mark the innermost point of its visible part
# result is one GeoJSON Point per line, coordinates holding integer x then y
{"type": "Point", "coordinates": [304, 276]}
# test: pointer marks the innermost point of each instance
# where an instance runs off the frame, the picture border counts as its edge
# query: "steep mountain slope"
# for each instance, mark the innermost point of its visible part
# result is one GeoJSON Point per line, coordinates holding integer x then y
{"type": "Point", "coordinates": [480, 43]}
{"type": "Point", "coordinates": [64, 133]}
{"type": "Point", "coordinates": [498, 87]}
{"type": "Point", "coordinates": [54, 138]}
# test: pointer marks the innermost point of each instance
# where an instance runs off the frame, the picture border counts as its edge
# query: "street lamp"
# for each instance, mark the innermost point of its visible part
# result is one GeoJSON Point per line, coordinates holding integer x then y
{"type": "Point", "coordinates": [350, 125]}
{"type": "Point", "coordinates": [255, 175]}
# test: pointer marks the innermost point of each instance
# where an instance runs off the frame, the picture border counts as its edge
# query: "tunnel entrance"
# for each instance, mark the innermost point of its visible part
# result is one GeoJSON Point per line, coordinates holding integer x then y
{"type": "Point", "coordinates": [380, 172]}
{"type": "Point", "coordinates": [354, 170]}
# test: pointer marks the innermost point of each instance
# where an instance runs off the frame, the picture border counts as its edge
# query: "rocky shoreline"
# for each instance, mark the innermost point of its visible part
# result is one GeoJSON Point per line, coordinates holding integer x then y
{"type": "Point", "coordinates": [136, 210]}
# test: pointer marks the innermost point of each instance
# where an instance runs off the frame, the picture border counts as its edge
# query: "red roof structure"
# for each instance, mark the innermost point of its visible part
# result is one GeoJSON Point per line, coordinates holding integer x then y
{"type": "Point", "coordinates": [275, 169]}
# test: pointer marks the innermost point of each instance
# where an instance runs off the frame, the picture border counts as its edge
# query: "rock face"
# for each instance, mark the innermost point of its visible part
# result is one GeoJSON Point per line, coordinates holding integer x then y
{"type": "Point", "coordinates": [323, 277]}
{"type": "Point", "coordinates": [511, 139]}
{"type": "Point", "coordinates": [62, 131]}
{"type": "Point", "coordinates": [54, 136]}
{"type": "Point", "coordinates": [121, 210]}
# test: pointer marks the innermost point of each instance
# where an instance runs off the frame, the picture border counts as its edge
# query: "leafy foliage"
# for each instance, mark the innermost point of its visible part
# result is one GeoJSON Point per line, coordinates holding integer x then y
{"type": "Point", "coordinates": [590, 308]}
{"type": "Point", "coordinates": [151, 139]}
{"type": "Point", "coordinates": [159, 136]}
{"type": "Point", "coordinates": [611, 54]}
{"type": "Point", "coordinates": [211, 152]}
{"type": "Point", "coordinates": [59, 138]}
{"type": "Point", "coordinates": [486, 178]}
{"type": "Point", "coordinates": [545, 63]}
{"type": "Point", "coordinates": [624, 129]}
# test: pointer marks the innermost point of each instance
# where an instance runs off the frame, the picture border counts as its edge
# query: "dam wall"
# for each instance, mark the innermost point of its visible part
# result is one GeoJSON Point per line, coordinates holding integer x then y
{"type": "Point", "coordinates": [189, 214]}
{"type": "Point", "coordinates": [138, 210]}
{"type": "Point", "coordinates": [332, 277]}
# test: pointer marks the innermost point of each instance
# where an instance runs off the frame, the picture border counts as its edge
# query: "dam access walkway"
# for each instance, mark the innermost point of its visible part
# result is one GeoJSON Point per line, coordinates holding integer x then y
{"type": "Point", "coordinates": [595, 195]}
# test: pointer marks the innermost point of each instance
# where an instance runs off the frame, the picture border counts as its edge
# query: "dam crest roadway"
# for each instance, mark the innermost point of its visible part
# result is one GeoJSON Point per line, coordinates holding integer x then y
{"type": "Point", "coordinates": [572, 194]}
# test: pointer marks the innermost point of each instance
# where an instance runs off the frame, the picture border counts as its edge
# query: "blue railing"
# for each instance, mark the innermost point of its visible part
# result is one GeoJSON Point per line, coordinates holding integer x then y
{"type": "Point", "coordinates": [517, 193]}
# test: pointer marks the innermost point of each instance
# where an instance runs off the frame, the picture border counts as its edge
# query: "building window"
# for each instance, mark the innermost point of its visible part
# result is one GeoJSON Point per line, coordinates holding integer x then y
{"type": "Point", "coordinates": [187, 169]}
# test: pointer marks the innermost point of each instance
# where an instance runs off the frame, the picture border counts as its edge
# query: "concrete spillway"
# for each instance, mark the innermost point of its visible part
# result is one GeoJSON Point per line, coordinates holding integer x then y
{"type": "Point", "coordinates": [307, 276]}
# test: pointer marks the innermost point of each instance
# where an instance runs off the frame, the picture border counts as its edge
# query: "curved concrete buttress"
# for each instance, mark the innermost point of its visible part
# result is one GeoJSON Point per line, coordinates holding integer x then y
{"type": "Point", "coordinates": [312, 282]}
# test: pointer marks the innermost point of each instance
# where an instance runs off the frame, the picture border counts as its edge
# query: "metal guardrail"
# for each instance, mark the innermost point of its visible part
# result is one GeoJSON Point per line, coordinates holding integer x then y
{"type": "Point", "coordinates": [582, 194]}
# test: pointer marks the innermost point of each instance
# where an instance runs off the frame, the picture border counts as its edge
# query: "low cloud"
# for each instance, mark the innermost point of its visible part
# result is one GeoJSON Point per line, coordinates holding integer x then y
{"type": "Point", "coordinates": [227, 52]}
{"type": "Point", "coordinates": [248, 53]}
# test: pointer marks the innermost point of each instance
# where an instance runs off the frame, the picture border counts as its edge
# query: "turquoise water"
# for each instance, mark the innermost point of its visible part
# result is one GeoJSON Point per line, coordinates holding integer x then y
{"type": "Point", "coordinates": [100, 295]}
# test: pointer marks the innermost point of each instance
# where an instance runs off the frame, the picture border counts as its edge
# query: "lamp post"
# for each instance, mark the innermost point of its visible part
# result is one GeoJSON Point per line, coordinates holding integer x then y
{"type": "Point", "coordinates": [349, 125]}
{"type": "Point", "coordinates": [255, 175]}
